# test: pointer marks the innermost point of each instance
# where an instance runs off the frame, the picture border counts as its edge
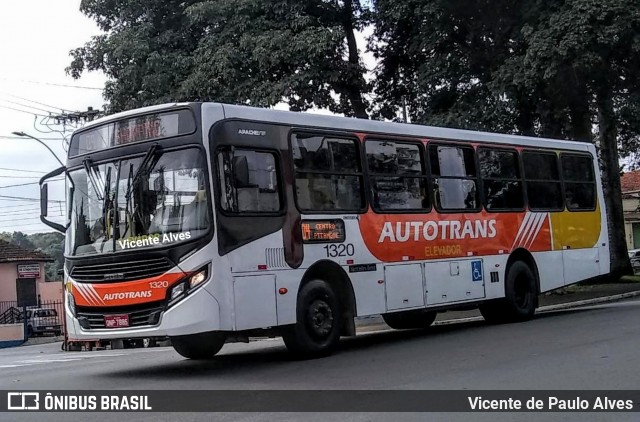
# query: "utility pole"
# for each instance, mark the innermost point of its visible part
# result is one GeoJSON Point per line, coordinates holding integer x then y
{"type": "Point", "coordinates": [76, 117]}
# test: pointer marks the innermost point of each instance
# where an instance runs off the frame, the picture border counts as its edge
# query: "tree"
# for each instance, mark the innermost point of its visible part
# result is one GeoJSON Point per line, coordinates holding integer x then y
{"type": "Point", "coordinates": [553, 68]}
{"type": "Point", "coordinates": [548, 68]}
{"type": "Point", "coordinates": [256, 52]}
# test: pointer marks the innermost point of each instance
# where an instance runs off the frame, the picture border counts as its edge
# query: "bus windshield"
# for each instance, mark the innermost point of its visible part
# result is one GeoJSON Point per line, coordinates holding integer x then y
{"type": "Point", "coordinates": [134, 203]}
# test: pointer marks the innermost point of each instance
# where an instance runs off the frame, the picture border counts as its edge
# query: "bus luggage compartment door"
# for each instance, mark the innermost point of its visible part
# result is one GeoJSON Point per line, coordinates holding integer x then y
{"type": "Point", "coordinates": [404, 286]}
{"type": "Point", "coordinates": [255, 301]}
{"type": "Point", "coordinates": [454, 281]}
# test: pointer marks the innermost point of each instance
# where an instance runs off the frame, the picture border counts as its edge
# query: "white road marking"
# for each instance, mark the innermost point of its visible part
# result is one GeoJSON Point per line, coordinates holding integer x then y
{"type": "Point", "coordinates": [40, 360]}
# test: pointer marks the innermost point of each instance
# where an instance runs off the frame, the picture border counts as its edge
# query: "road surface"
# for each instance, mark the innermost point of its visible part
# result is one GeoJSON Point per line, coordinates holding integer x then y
{"type": "Point", "coordinates": [596, 347]}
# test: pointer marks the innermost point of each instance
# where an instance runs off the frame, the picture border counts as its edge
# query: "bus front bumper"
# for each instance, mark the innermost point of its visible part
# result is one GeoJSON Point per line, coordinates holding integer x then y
{"type": "Point", "coordinates": [199, 312]}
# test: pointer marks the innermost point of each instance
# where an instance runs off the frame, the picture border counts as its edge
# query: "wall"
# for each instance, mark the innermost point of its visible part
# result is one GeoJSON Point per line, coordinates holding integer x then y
{"type": "Point", "coordinates": [51, 291]}
{"type": "Point", "coordinates": [628, 234]}
{"type": "Point", "coordinates": [631, 215]}
{"type": "Point", "coordinates": [11, 335]}
{"type": "Point", "coordinates": [8, 276]}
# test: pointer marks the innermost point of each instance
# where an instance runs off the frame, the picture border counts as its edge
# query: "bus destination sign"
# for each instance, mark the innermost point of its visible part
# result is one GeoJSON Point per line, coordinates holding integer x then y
{"type": "Point", "coordinates": [323, 231]}
{"type": "Point", "coordinates": [134, 129]}
{"type": "Point", "coordinates": [138, 130]}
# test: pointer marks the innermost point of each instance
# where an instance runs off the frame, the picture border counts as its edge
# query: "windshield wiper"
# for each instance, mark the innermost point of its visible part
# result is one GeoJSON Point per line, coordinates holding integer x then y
{"type": "Point", "coordinates": [150, 159]}
{"type": "Point", "coordinates": [106, 205]}
{"type": "Point", "coordinates": [88, 167]}
{"type": "Point", "coordinates": [147, 163]}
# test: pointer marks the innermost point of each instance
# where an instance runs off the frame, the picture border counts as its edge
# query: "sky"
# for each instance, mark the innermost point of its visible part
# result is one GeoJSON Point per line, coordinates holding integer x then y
{"type": "Point", "coordinates": [35, 39]}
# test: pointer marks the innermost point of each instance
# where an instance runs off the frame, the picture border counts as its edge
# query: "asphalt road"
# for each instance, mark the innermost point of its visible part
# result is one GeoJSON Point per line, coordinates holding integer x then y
{"type": "Point", "coordinates": [590, 348]}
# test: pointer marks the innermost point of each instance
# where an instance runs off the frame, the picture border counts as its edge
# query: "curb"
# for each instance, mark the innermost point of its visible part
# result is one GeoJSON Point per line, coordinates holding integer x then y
{"type": "Point", "coordinates": [594, 301]}
{"type": "Point", "coordinates": [549, 308]}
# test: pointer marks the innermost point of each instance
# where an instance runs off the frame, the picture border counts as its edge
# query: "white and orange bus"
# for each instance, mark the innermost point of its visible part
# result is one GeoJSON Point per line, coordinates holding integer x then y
{"type": "Point", "coordinates": [213, 223]}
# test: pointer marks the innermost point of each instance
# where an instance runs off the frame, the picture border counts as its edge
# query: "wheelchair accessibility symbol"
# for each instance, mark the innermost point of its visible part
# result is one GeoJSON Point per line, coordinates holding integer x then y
{"type": "Point", "coordinates": [476, 271]}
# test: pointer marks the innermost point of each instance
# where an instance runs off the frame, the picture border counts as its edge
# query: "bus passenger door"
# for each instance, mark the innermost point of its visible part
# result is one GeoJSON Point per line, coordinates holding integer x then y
{"type": "Point", "coordinates": [404, 288]}
{"type": "Point", "coordinates": [580, 249]}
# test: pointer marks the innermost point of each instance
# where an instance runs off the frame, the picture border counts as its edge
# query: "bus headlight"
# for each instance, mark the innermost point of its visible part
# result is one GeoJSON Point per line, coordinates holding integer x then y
{"type": "Point", "coordinates": [190, 283]}
{"type": "Point", "coordinates": [198, 278]}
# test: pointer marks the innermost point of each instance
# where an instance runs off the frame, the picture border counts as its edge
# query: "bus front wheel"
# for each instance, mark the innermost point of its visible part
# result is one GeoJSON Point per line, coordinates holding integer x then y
{"type": "Point", "coordinates": [198, 346]}
{"type": "Point", "coordinates": [521, 294]}
{"type": "Point", "coordinates": [317, 329]}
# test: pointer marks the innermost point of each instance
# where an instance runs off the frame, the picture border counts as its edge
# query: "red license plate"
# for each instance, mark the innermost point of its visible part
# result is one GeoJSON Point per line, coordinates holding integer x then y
{"type": "Point", "coordinates": [116, 321]}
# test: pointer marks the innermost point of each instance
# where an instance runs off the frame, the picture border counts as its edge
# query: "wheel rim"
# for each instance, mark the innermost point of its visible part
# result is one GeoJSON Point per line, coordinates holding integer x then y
{"type": "Point", "coordinates": [320, 319]}
{"type": "Point", "coordinates": [522, 292]}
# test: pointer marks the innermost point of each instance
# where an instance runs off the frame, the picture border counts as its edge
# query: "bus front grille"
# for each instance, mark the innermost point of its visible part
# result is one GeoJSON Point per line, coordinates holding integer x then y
{"type": "Point", "coordinates": [139, 315]}
{"type": "Point", "coordinates": [120, 271]}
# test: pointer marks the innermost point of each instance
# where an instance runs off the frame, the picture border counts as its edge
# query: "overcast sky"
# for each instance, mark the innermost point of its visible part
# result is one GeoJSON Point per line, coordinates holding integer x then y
{"type": "Point", "coordinates": [35, 39]}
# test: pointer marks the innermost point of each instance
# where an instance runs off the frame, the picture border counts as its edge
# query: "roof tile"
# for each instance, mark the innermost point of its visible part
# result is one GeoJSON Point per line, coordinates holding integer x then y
{"type": "Point", "coordinates": [13, 253]}
{"type": "Point", "coordinates": [630, 181]}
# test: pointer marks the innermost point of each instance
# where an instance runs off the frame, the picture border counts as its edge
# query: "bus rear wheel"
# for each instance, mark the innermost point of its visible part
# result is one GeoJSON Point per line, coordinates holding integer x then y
{"type": "Point", "coordinates": [199, 346]}
{"type": "Point", "coordinates": [521, 297]}
{"type": "Point", "coordinates": [410, 320]}
{"type": "Point", "coordinates": [317, 329]}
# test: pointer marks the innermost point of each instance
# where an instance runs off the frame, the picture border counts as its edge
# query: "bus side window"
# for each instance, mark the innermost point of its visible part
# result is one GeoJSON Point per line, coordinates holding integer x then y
{"type": "Point", "coordinates": [501, 179]}
{"type": "Point", "coordinates": [579, 182]}
{"type": "Point", "coordinates": [328, 173]}
{"type": "Point", "coordinates": [248, 181]}
{"type": "Point", "coordinates": [397, 176]}
{"type": "Point", "coordinates": [454, 178]}
{"type": "Point", "coordinates": [542, 177]}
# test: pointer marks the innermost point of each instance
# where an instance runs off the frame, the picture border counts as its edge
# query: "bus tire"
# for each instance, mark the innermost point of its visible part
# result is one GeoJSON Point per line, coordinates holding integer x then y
{"type": "Point", "coordinates": [199, 346]}
{"type": "Point", "coordinates": [317, 329]}
{"type": "Point", "coordinates": [410, 320]}
{"type": "Point", "coordinates": [521, 294]}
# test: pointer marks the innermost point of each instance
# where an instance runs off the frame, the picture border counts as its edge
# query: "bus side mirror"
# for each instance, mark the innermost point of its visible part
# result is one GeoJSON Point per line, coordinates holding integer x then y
{"type": "Point", "coordinates": [44, 199]}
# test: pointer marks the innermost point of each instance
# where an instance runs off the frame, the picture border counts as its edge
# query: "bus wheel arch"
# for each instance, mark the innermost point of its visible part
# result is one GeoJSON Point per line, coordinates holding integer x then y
{"type": "Point", "coordinates": [325, 310]}
{"type": "Point", "coordinates": [340, 282]}
{"type": "Point", "coordinates": [522, 287]}
{"type": "Point", "coordinates": [525, 256]}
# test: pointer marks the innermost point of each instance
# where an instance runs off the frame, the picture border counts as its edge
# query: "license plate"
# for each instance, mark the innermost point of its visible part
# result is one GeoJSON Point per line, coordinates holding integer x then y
{"type": "Point", "coordinates": [49, 328]}
{"type": "Point", "coordinates": [116, 321]}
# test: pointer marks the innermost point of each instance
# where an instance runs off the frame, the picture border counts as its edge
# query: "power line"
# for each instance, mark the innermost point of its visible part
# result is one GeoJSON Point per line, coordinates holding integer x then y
{"type": "Point", "coordinates": [27, 106]}
{"type": "Point", "coordinates": [35, 102]}
{"type": "Point", "coordinates": [28, 218]}
{"type": "Point", "coordinates": [20, 198]}
{"type": "Point", "coordinates": [55, 84]}
{"type": "Point", "coordinates": [23, 170]}
{"type": "Point", "coordinates": [5, 176]}
{"type": "Point", "coordinates": [22, 137]}
{"type": "Point", "coordinates": [23, 184]}
{"type": "Point", "coordinates": [28, 225]}
{"type": "Point", "coordinates": [18, 206]}
{"type": "Point", "coordinates": [31, 211]}
{"type": "Point", "coordinates": [23, 111]}
{"type": "Point", "coordinates": [23, 207]}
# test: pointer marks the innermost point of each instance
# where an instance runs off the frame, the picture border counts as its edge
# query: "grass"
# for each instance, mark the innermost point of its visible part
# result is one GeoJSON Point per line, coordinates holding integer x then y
{"type": "Point", "coordinates": [630, 279]}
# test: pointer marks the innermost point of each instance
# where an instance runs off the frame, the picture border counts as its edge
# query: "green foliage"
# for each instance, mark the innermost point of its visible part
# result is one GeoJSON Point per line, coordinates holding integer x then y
{"type": "Point", "coordinates": [531, 68]}
{"type": "Point", "coordinates": [51, 243]}
{"type": "Point", "coordinates": [257, 52]}
{"type": "Point", "coordinates": [553, 68]}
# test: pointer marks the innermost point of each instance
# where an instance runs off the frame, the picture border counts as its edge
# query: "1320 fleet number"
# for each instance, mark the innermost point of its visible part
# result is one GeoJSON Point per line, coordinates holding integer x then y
{"type": "Point", "coordinates": [334, 251]}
